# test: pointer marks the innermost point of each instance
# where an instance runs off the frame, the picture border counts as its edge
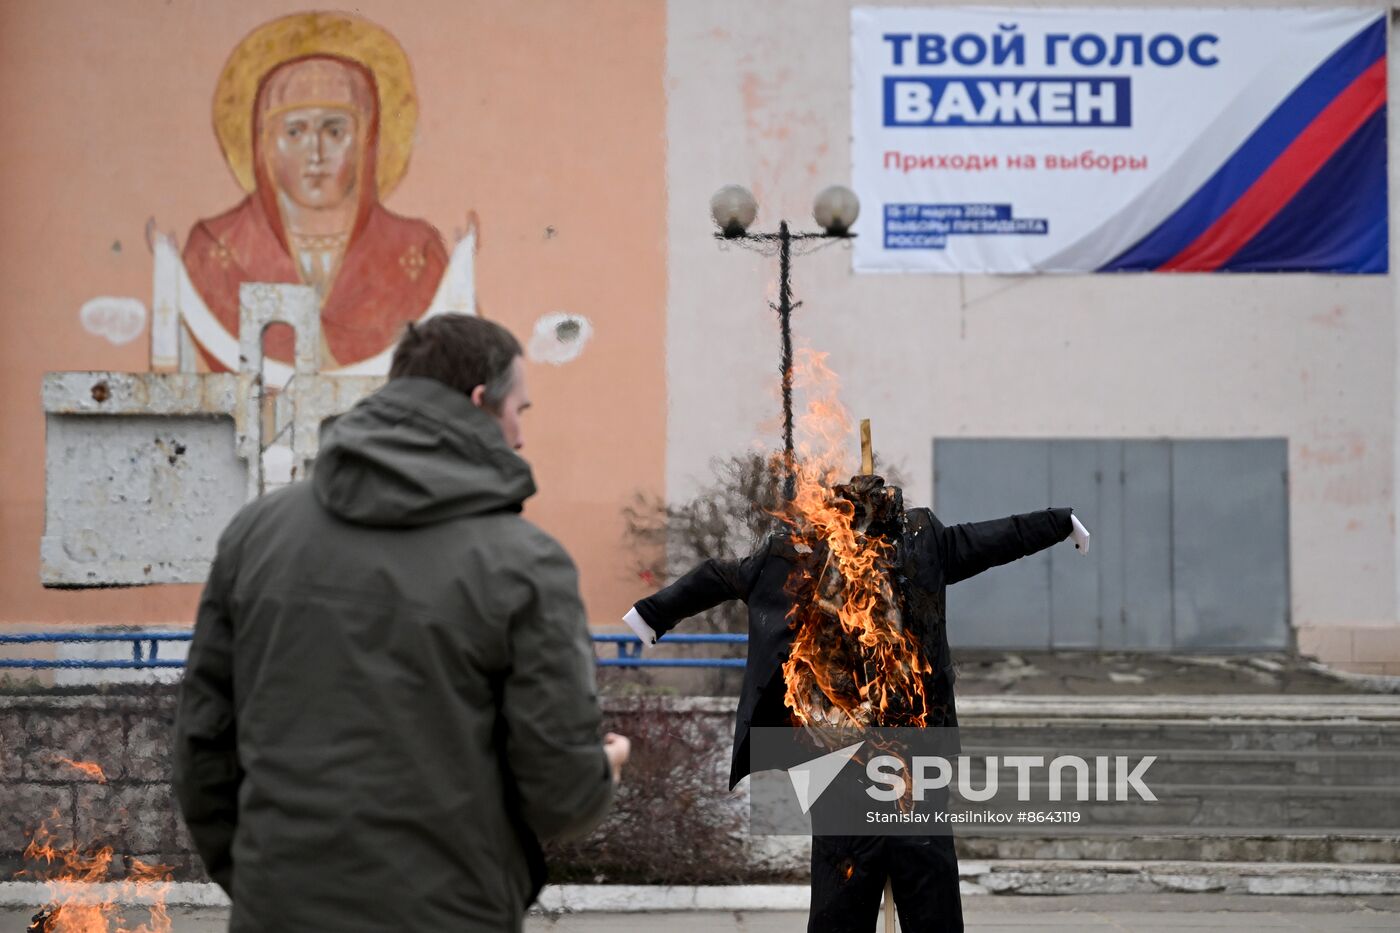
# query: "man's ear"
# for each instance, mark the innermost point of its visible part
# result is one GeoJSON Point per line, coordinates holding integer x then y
{"type": "Point", "coordinates": [479, 396]}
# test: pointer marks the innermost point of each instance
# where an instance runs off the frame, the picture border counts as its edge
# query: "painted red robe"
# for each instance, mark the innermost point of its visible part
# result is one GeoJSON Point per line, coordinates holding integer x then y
{"type": "Point", "coordinates": [388, 276]}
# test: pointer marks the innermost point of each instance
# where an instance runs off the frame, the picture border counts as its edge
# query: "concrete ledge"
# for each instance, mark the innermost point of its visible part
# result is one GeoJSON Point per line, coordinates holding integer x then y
{"type": "Point", "coordinates": [1222, 707]}
{"type": "Point", "coordinates": [1376, 683]}
{"type": "Point", "coordinates": [626, 898]}
{"type": "Point", "coordinates": [1094, 877]}
{"type": "Point", "coordinates": [36, 894]}
{"type": "Point", "coordinates": [114, 702]}
{"type": "Point", "coordinates": [979, 878]}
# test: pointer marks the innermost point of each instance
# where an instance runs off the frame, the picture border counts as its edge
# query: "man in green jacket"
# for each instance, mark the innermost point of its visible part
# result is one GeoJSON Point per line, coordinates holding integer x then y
{"type": "Point", "coordinates": [390, 701]}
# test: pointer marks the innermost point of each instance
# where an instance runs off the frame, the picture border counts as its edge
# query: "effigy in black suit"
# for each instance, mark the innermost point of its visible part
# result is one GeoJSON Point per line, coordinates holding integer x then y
{"type": "Point", "coordinates": [849, 873]}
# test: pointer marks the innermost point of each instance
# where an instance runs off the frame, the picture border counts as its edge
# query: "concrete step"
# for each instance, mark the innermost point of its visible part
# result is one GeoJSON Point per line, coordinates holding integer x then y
{"type": "Point", "coordinates": [1230, 767]}
{"type": "Point", "coordinates": [1337, 808]}
{"type": "Point", "coordinates": [1020, 876]}
{"type": "Point", "coordinates": [1205, 844]}
{"type": "Point", "coordinates": [1167, 735]}
{"type": "Point", "coordinates": [1225, 723]}
{"type": "Point", "coordinates": [1159, 877]}
{"type": "Point", "coordinates": [1365, 708]}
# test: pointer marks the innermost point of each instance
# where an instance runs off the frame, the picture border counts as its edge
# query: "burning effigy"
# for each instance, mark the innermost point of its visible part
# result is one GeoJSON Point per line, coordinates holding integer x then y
{"type": "Point", "coordinates": [856, 658]}
{"type": "Point", "coordinates": [847, 631]}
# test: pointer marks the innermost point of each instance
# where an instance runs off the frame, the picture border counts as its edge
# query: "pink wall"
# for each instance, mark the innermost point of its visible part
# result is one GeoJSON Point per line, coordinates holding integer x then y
{"type": "Point", "coordinates": [538, 115]}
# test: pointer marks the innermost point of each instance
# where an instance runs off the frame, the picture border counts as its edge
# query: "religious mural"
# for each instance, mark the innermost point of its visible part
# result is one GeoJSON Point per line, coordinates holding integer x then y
{"type": "Point", "coordinates": [315, 114]}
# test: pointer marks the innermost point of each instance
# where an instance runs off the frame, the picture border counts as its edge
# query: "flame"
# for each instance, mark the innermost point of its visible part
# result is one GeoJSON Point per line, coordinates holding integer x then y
{"type": "Point", "coordinates": [853, 661]}
{"type": "Point", "coordinates": [91, 768]}
{"type": "Point", "coordinates": [78, 900]}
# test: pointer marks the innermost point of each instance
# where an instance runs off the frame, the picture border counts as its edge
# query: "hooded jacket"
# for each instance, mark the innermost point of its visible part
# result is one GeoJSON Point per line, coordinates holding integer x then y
{"type": "Point", "coordinates": [935, 557]}
{"type": "Point", "coordinates": [389, 699]}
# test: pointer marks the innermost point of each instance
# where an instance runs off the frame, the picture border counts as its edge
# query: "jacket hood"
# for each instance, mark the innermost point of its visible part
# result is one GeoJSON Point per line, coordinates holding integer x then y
{"type": "Point", "coordinates": [418, 452]}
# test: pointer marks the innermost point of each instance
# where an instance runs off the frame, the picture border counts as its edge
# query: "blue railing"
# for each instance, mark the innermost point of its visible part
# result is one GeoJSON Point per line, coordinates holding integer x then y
{"type": "Point", "coordinates": [145, 650]}
{"type": "Point", "coordinates": [629, 651]}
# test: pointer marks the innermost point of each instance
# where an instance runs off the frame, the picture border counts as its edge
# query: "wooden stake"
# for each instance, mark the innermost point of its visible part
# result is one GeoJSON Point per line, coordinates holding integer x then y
{"type": "Point", "coordinates": [867, 453]}
{"type": "Point", "coordinates": [889, 896]}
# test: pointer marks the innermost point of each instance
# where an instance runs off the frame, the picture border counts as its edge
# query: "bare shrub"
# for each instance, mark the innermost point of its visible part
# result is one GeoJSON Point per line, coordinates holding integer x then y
{"type": "Point", "coordinates": [672, 821]}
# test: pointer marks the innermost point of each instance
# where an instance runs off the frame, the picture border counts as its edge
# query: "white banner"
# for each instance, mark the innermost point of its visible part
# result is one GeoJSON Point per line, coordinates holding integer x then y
{"type": "Point", "coordinates": [1000, 140]}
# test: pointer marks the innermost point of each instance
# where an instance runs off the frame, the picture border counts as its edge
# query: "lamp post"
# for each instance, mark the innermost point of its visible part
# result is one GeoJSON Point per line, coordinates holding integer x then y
{"type": "Point", "coordinates": [734, 210]}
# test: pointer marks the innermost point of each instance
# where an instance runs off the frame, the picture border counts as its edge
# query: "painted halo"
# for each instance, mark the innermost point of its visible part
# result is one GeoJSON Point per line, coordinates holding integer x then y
{"type": "Point", "coordinates": [299, 36]}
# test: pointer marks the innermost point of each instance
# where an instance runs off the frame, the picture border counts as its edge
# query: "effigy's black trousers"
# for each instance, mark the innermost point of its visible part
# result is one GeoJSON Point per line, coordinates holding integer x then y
{"type": "Point", "coordinates": [848, 878]}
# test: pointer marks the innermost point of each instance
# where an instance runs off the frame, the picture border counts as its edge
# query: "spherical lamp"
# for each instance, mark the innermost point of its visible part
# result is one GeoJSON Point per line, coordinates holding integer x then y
{"type": "Point", "coordinates": [836, 209]}
{"type": "Point", "coordinates": [733, 207]}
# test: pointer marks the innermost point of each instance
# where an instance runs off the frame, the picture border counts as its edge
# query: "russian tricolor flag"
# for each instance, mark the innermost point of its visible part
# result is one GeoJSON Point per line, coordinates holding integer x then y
{"type": "Point", "coordinates": [1305, 192]}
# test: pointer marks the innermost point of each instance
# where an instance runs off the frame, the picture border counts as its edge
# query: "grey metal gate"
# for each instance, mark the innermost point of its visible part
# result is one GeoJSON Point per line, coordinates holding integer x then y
{"type": "Point", "coordinates": [1190, 547]}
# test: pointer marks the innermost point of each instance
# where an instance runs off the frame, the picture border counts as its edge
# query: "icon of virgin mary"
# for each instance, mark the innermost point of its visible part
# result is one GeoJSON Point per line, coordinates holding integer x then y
{"type": "Point", "coordinates": [315, 114]}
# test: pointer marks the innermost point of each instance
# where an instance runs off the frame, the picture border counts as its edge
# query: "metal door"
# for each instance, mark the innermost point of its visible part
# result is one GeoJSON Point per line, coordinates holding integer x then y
{"type": "Point", "coordinates": [1190, 543]}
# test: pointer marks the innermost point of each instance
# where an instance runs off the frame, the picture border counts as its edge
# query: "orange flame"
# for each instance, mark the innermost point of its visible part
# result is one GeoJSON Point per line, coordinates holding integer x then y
{"type": "Point", "coordinates": [79, 901]}
{"type": "Point", "coordinates": [91, 768]}
{"type": "Point", "coordinates": [853, 662]}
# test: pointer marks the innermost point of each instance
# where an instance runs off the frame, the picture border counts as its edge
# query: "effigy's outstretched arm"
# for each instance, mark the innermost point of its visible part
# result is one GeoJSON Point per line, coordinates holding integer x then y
{"type": "Point", "coordinates": [712, 582]}
{"type": "Point", "coordinates": [968, 549]}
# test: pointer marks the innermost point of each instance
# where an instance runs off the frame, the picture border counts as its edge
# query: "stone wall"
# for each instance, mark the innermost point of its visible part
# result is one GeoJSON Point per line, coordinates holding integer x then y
{"type": "Point", "coordinates": [1291, 777]}
{"type": "Point", "coordinates": [128, 806]}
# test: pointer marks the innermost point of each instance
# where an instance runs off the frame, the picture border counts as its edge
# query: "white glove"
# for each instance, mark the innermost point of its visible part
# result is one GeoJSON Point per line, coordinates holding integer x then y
{"type": "Point", "coordinates": [645, 632]}
{"type": "Point", "coordinates": [1079, 534]}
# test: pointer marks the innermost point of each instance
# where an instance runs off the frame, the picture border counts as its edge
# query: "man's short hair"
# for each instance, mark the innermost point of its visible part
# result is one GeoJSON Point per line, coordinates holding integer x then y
{"type": "Point", "coordinates": [462, 351]}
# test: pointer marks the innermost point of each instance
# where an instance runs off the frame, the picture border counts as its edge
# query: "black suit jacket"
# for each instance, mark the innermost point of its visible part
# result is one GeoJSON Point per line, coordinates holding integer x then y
{"type": "Point", "coordinates": [936, 556]}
